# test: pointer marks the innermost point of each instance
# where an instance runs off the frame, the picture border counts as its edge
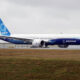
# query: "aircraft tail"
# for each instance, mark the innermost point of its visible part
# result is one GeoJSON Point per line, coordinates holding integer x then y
{"type": "Point", "coordinates": [3, 29]}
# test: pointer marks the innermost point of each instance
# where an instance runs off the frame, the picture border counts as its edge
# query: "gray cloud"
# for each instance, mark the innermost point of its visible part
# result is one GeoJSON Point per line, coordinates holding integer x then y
{"type": "Point", "coordinates": [70, 4]}
{"type": "Point", "coordinates": [41, 16]}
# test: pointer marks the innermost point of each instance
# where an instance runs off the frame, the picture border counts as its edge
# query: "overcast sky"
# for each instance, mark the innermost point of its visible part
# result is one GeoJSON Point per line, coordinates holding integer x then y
{"type": "Point", "coordinates": [41, 16]}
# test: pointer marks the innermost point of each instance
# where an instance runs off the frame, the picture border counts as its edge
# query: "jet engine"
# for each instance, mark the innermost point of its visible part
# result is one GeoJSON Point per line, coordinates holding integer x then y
{"type": "Point", "coordinates": [38, 43]}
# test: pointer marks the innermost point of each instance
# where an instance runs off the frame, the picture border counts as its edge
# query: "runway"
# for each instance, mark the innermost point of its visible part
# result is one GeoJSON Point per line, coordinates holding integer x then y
{"type": "Point", "coordinates": [56, 48]}
{"type": "Point", "coordinates": [13, 46]}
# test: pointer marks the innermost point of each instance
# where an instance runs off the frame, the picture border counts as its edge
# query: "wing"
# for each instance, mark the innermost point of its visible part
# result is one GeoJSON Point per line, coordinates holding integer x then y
{"type": "Point", "coordinates": [16, 40]}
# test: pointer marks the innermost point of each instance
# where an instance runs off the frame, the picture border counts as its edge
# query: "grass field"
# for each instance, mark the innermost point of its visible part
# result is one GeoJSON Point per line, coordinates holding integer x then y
{"type": "Point", "coordinates": [39, 64]}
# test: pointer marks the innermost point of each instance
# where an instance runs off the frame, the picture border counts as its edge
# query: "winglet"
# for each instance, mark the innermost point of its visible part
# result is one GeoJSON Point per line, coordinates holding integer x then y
{"type": "Point", "coordinates": [3, 29]}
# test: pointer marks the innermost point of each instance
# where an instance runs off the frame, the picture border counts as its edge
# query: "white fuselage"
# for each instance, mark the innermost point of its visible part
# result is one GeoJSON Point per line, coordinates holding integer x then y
{"type": "Point", "coordinates": [45, 36]}
{"type": "Point", "coordinates": [41, 40]}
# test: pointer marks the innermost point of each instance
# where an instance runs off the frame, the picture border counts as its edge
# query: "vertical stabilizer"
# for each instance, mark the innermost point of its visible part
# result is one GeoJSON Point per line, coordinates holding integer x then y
{"type": "Point", "coordinates": [3, 29]}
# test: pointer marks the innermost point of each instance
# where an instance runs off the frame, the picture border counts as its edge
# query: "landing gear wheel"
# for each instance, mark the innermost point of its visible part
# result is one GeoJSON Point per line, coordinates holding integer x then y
{"type": "Point", "coordinates": [63, 46]}
{"type": "Point", "coordinates": [46, 46]}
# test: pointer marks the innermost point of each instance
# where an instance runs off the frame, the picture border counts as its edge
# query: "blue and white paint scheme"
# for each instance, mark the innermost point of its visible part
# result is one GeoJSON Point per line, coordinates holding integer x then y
{"type": "Point", "coordinates": [4, 31]}
{"type": "Point", "coordinates": [39, 40]}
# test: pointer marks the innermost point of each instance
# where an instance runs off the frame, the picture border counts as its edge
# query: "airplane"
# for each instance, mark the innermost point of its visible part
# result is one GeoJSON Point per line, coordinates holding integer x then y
{"type": "Point", "coordinates": [39, 40]}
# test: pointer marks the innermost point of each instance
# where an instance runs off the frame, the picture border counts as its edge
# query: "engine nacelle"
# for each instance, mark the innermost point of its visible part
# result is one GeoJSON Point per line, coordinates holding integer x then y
{"type": "Point", "coordinates": [38, 43]}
